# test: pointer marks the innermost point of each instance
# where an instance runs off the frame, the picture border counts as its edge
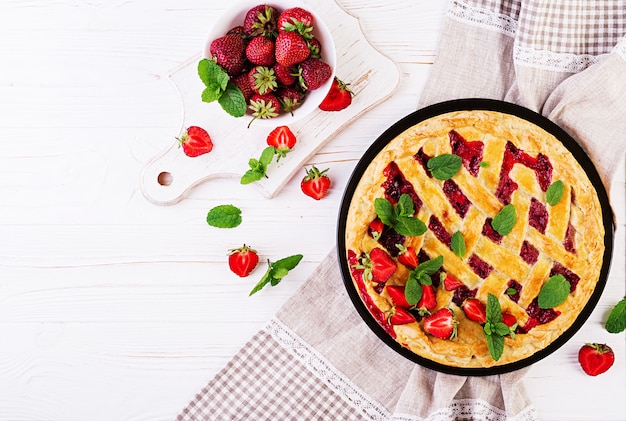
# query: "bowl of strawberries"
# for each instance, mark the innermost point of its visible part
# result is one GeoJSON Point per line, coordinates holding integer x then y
{"type": "Point", "coordinates": [272, 62]}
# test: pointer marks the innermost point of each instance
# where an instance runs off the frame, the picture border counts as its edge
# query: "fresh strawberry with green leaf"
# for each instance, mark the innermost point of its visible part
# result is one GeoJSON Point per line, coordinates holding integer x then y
{"type": "Point", "coordinates": [243, 260]}
{"type": "Point", "coordinates": [260, 51]}
{"type": "Point", "coordinates": [289, 99]}
{"type": "Point", "coordinates": [291, 48]}
{"type": "Point", "coordinates": [315, 183]}
{"type": "Point", "coordinates": [313, 73]}
{"type": "Point", "coordinates": [296, 19]}
{"type": "Point", "coordinates": [407, 256]}
{"type": "Point", "coordinates": [396, 293]}
{"type": "Point", "coordinates": [375, 228]}
{"type": "Point", "coordinates": [284, 74]}
{"type": "Point", "coordinates": [261, 20]}
{"type": "Point", "coordinates": [262, 80]}
{"type": "Point", "coordinates": [595, 358]}
{"type": "Point", "coordinates": [399, 316]}
{"type": "Point", "coordinates": [282, 139]}
{"type": "Point", "coordinates": [382, 265]}
{"type": "Point", "coordinates": [441, 324]}
{"type": "Point", "coordinates": [229, 52]}
{"type": "Point", "coordinates": [263, 106]}
{"type": "Point", "coordinates": [509, 320]}
{"type": "Point", "coordinates": [195, 141]}
{"type": "Point", "coordinates": [339, 97]}
{"type": "Point", "coordinates": [428, 300]}
{"type": "Point", "coordinates": [475, 310]}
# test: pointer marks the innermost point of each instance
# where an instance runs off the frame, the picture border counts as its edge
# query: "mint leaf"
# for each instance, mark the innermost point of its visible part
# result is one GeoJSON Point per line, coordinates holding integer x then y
{"type": "Point", "coordinates": [267, 155]}
{"type": "Point", "coordinates": [413, 291]}
{"type": "Point", "coordinates": [510, 291]}
{"type": "Point", "coordinates": [443, 167]}
{"type": "Point", "coordinates": [483, 164]}
{"type": "Point", "coordinates": [424, 279]}
{"type": "Point", "coordinates": [494, 311]}
{"type": "Point", "coordinates": [501, 329]}
{"type": "Point", "coordinates": [457, 244]}
{"type": "Point", "coordinates": [495, 343]}
{"type": "Point", "coordinates": [409, 226]}
{"type": "Point", "coordinates": [224, 216]}
{"type": "Point", "coordinates": [553, 292]}
{"type": "Point", "coordinates": [384, 210]}
{"type": "Point", "coordinates": [212, 75]}
{"type": "Point", "coordinates": [405, 205]}
{"type": "Point", "coordinates": [616, 322]}
{"type": "Point", "coordinates": [555, 192]}
{"type": "Point", "coordinates": [431, 266]}
{"type": "Point", "coordinates": [232, 101]}
{"type": "Point", "coordinates": [258, 167]}
{"type": "Point", "coordinates": [276, 272]}
{"type": "Point", "coordinates": [211, 93]}
{"type": "Point", "coordinates": [504, 221]}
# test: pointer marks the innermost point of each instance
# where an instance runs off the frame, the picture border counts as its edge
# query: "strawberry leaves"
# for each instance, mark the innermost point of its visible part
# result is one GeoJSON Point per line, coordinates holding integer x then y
{"type": "Point", "coordinates": [219, 88]}
{"type": "Point", "coordinates": [401, 218]}
{"type": "Point", "coordinates": [276, 271]}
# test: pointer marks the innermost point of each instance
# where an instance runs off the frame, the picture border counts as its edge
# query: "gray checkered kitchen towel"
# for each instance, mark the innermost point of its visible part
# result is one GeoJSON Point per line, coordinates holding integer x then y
{"type": "Point", "coordinates": [566, 60]}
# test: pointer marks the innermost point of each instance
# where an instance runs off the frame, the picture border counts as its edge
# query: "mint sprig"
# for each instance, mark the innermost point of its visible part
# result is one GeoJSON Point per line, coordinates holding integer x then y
{"type": "Point", "coordinates": [224, 216]}
{"type": "Point", "coordinates": [443, 167]}
{"type": "Point", "coordinates": [555, 192]}
{"type": "Point", "coordinates": [495, 330]}
{"type": "Point", "coordinates": [419, 276]}
{"type": "Point", "coordinates": [258, 167]}
{"type": "Point", "coordinates": [504, 221]}
{"type": "Point", "coordinates": [457, 244]}
{"type": "Point", "coordinates": [553, 292]}
{"type": "Point", "coordinates": [401, 217]}
{"type": "Point", "coordinates": [218, 87]}
{"type": "Point", "coordinates": [616, 322]}
{"type": "Point", "coordinates": [276, 271]}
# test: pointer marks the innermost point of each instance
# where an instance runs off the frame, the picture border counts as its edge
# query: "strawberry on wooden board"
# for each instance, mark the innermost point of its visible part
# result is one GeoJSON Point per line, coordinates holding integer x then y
{"type": "Point", "coordinates": [475, 310]}
{"type": "Point", "coordinates": [260, 51]}
{"type": "Point", "coordinates": [282, 139]}
{"type": "Point", "coordinates": [315, 183]}
{"type": "Point", "coordinates": [243, 260]}
{"type": "Point", "coordinates": [407, 256]}
{"type": "Point", "coordinates": [396, 293]}
{"type": "Point", "coordinates": [195, 141]}
{"type": "Point", "coordinates": [291, 49]}
{"type": "Point", "coordinates": [383, 266]}
{"type": "Point", "coordinates": [595, 358]}
{"type": "Point", "coordinates": [339, 97]}
{"type": "Point", "coordinates": [229, 52]}
{"type": "Point", "coordinates": [399, 316]}
{"type": "Point", "coordinates": [441, 324]}
{"type": "Point", "coordinates": [428, 300]}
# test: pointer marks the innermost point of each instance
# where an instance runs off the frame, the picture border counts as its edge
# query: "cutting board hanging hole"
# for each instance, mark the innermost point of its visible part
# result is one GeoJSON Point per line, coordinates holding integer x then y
{"type": "Point", "coordinates": [165, 179]}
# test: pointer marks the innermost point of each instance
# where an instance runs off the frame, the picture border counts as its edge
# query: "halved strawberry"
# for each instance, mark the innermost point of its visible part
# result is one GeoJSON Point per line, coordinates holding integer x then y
{"type": "Point", "coordinates": [243, 260]}
{"type": "Point", "coordinates": [396, 293]}
{"type": "Point", "coordinates": [428, 300]}
{"type": "Point", "coordinates": [383, 266]}
{"type": "Point", "coordinates": [475, 310]}
{"type": "Point", "coordinates": [441, 324]}
{"type": "Point", "coordinates": [595, 358]}
{"type": "Point", "coordinates": [375, 228]}
{"type": "Point", "coordinates": [449, 282]}
{"type": "Point", "coordinates": [338, 97]}
{"type": "Point", "coordinates": [282, 139]}
{"type": "Point", "coordinates": [399, 316]}
{"type": "Point", "coordinates": [509, 319]}
{"type": "Point", "coordinates": [407, 256]}
{"type": "Point", "coordinates": [195, 141]}
{"type": "Point", "coordinates": [315, 183]}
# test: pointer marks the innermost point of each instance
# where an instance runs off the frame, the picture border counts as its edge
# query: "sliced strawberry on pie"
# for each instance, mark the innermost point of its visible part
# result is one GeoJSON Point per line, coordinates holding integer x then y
{"type": "Point", "coordinates": [449, 282]}
{"type": "Point", "coordinates": [407, 256]}
{"type": "Point", "coordinates": [475, 310]}
{"type": "Point", "coordinates": [396, 293]}
{"type": "Point", "coordinates": [383, 266]}
{"type": "Point", "coordinates": [399, 316]}
{"type": "Point", "coordinates": [428, 300]}
{"type": "Point", "coordinates": [441, 324]}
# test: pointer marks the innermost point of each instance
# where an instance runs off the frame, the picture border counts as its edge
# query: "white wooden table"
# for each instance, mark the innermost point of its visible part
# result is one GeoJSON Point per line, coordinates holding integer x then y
{"type": "Point", "coordinates": [113, 308]}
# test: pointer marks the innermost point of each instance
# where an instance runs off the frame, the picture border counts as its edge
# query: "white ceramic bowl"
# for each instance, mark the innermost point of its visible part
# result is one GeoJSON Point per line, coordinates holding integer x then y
{"type": "Point", "coordinates": [234, 16]}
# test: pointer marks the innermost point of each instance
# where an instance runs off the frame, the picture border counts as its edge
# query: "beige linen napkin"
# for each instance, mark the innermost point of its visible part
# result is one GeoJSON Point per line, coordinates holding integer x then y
{"type": "Point", "coordinates": [317, 359]}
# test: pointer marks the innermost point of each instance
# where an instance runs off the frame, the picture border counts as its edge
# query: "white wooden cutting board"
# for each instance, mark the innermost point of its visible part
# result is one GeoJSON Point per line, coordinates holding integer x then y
{"type": "Point", "coordinates": [373, 77]}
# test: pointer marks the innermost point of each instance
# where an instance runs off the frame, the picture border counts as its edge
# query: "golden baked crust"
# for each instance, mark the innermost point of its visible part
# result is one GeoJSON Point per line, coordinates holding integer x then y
{"type": "Point", "coordinates": [566, 238]}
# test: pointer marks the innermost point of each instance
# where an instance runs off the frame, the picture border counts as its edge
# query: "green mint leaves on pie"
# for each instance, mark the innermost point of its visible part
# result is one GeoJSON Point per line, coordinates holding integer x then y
{"type": "Point", "coordinates": [495, 330]}
{"type": "Point", "coordinates": [224, 216]}
{"type": "Point", "coordinates": [419, 276]}
{"type": "Point", "coordinates": [457, 244]}
{"type": "Point", "coordinates": [553, 292]}
{"type": "Point", "coordinates": [443, 167]}
{"type": "Point", "coordinates": [219, 88]}
{"type": "Point", "coordinates": [555, 192]}
{"type": "Point", "coordinates": [504, 220]}
{"type": "Point", "coordinates": [401, 218]}
{"type": "Point", "coordinates": [616, 322]}
{"type": "Point", "coordinates": [276, 271]}
{"type": "Point", "coordinates": [258, 167]}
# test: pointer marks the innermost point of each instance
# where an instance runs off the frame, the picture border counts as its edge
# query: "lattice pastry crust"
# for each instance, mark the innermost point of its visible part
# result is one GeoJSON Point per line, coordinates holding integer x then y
{"type": "Point", "coordinates": [566, 238]}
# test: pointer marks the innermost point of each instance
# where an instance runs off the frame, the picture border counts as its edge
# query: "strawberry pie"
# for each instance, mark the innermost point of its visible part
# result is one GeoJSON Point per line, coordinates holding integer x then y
{"type": "Point", "coordinates": [474, 239]}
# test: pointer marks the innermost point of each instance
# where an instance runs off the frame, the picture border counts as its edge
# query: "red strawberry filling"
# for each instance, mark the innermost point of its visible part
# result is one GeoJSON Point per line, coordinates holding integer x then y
{"type": "Point", "coordinates": [512, 155]}
{"type": "Point", "coordinates": [396, 184]}
{"type": "Point", "coordinates": [490, 233]}
{"type": "Point", "coordinates": [470, 152]}
{"type": "Point", "coordinates": [513, 285]}
{"type": "Point", "coordinates": [462, 293]}
{"type": "Point", "coordinates": [570, 239]}
{"type": "Point", "coordinates": [538, 216]}
{"type": "Point", "coordinates": [459, 201]}
{"type": "Point", "coordinates": [435, 225]}
{"type": "Point", "coordinates": [389, 240]}
{"type": "Point", "coordinates": [571, 277]}
{"type": "Point", "coordinates": [529, 253]}
{"type": "Point", "coordinates": [423, 158]}
{"type": "Point", "coordinates": [479, 266]}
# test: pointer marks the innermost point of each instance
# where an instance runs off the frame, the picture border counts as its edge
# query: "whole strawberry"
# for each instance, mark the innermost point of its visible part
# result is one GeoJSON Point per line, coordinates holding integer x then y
{"type": "Point", "coordinates": [315, 183]}
{"type": "Point", "coordinates": [195, 141]}
{"type": "Point", "coordinates": [339, 97]}
{"type": "Point", "coordinates": [295, 19]}
{"type": "Point", "coordinates": [229, 52]}
{"type": "Point", "coordinates": [291, 48]}
{"type": "Point", "coordinates": [262, 80]}
{"type": "Point", "coordinates": [289, 98]}
{"type": "Point", "coordinates": [243, 260]}
{"type": "Point", "coordinates": [243, 82]}
{"type": "Point", "coordinates": [263, 106]}
{"type": "Point", "coordinates": [260, 51]}
{"type": "Point", "coordinates": [595, 358]}
{"type": "Point", "coordinates": [261, 20]}
{"type": "Point", "coordinates": [313, 73]}
{"type": "Point", "coordinates": [284, 74]}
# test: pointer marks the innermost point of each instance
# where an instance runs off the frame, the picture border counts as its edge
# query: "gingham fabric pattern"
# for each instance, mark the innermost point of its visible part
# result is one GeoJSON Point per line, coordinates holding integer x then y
{"type": "Point", "coordinates": [264, 381]}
